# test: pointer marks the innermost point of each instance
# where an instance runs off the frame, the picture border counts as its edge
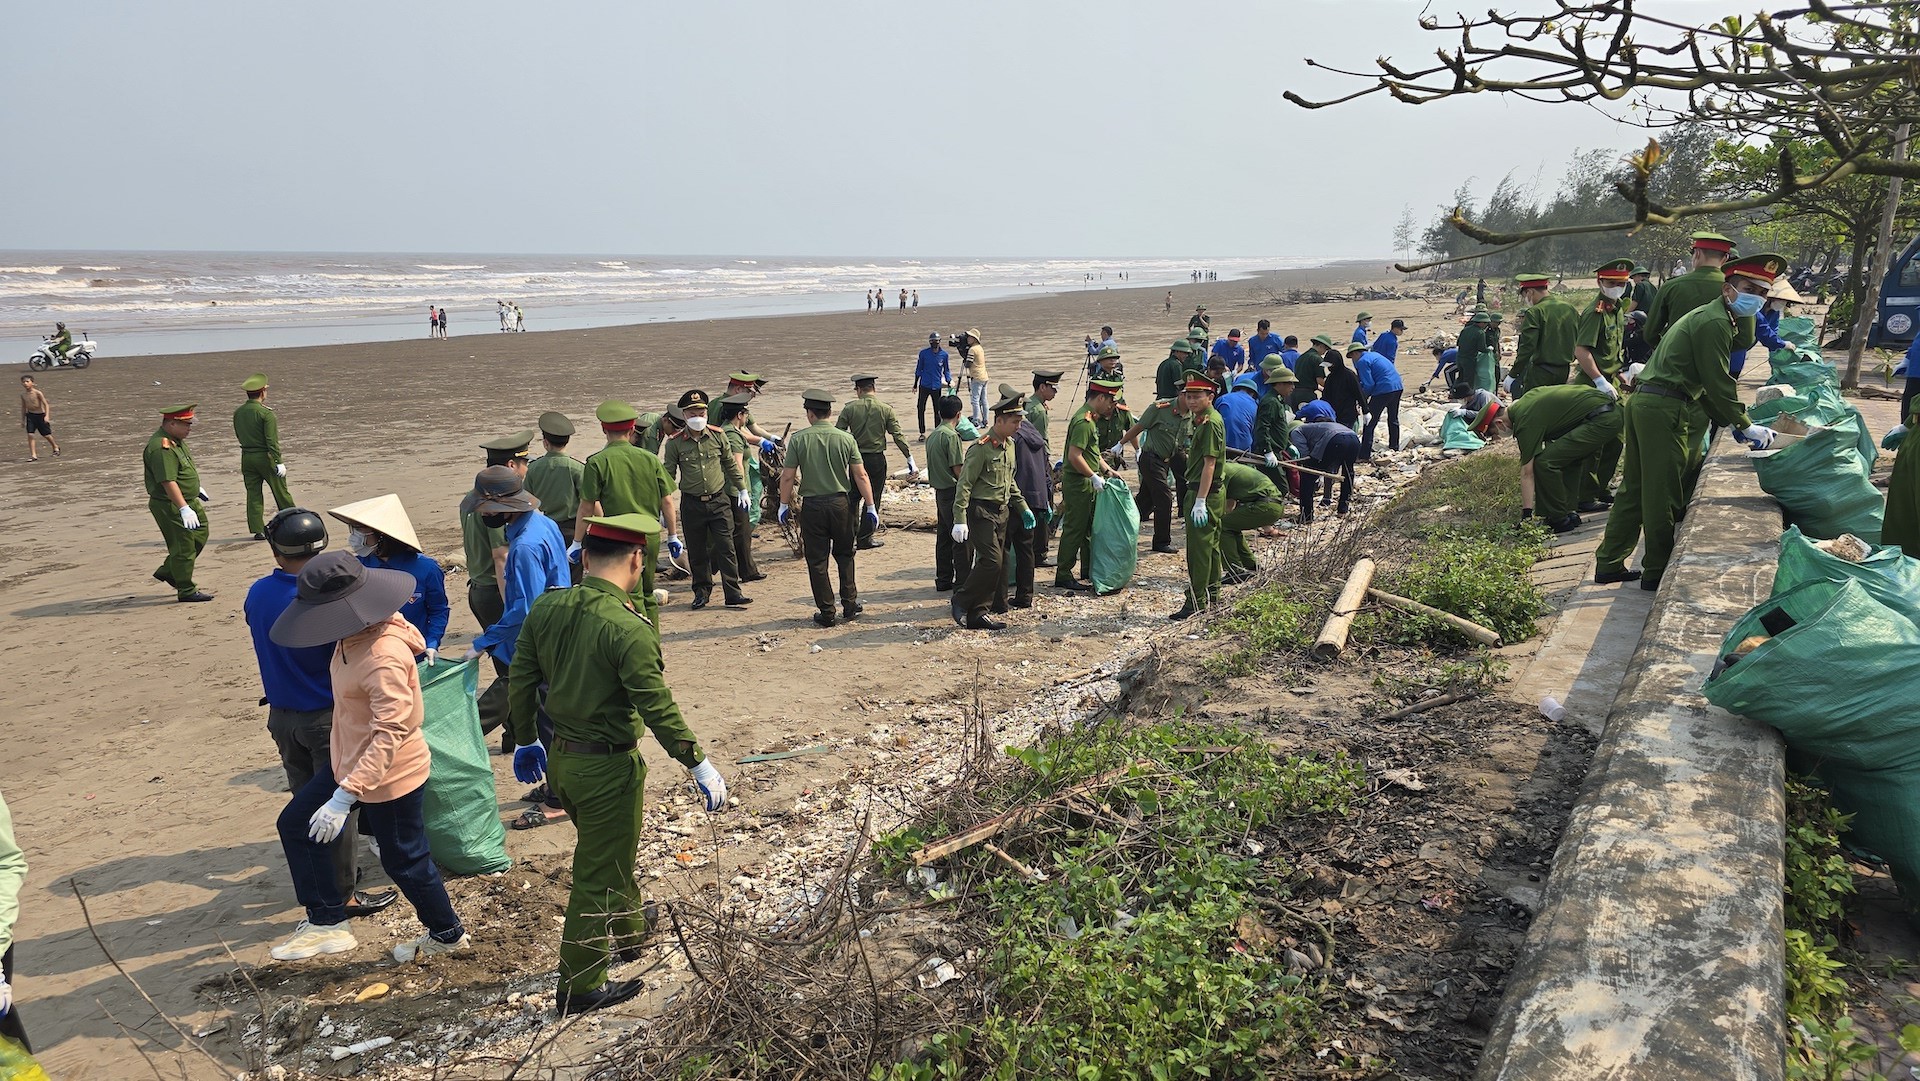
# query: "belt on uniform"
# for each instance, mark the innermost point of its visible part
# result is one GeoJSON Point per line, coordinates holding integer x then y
{"type": "Point", "coordinates": [707, 497]}
{"type": "Point", "coordinates": [988, 504]}
{"type": "Point", "coordinates": [1659, 391]}
{"type": "Point", "coordinates": [826, 495]}
{"type": "Point", "coordinates": [1569, 429]}
{"type": "Point", "coordinates": [574, 746]}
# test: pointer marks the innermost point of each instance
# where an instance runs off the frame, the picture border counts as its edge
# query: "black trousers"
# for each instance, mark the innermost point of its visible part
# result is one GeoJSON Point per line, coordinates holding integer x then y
{"type": "Point", "coordinates": [986, 584]}
{"type": "Point", "coordinates": [742, 545]}
{"type": "Point", "coordinates": [950, 561]}
{"type": "Point", "coordinates": [1156, 497]}
{"type": "Point", "coordinates": [1389, 404]}
{"type": "Point", "coordinates": [925, 395]}
{"type": "Point", "coordinates": [1178, 465]}
{"type": "Point", "coordinates": [826, 529]}
{"type": "Point", "coordinates": [10, 1025]}
{"type": "Point", "coordinates": [305, 740]}
{"type": "Point", "coordinates": [876, 466]}
{"type": "Point", "coordinates": [1340, 453]}
{"type": "Point", "coordinates": [708, 521]}
{"type": "Point", "coordinates": [1024, 547]}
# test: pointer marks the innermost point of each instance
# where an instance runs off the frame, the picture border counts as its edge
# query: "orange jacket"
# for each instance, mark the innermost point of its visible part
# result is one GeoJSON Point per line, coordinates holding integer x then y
{"type": "Point", "coordinates": [378, 751]}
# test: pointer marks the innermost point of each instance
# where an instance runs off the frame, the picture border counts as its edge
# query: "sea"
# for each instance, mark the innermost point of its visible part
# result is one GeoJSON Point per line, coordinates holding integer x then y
{"type": "Point", "coordinates": [139, 303]}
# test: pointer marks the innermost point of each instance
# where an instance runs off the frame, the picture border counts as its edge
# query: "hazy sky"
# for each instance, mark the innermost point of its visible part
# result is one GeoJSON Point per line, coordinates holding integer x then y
{"type": "Point", "coordinates": [819, 128]}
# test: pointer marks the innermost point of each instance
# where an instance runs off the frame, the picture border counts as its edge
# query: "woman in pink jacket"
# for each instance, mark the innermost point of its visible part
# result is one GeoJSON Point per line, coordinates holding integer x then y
{"type": "Point", "coordinates": [379, 757]}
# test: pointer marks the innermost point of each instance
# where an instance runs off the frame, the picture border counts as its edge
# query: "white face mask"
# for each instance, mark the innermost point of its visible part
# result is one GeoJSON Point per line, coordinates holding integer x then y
{"type": "Point", "coordinates": [1613, 292]}
{"type": "Point", "coordinates": [359, 543]}
{"type": "Point", "coordinates": [1777, 306]}
{"type": "Point", "coordinates": [696, 424]}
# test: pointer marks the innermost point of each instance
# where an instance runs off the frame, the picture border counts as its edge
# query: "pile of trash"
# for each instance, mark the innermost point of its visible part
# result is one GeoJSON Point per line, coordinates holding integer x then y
{"type": "Point", "coordinates": [1819, 466]}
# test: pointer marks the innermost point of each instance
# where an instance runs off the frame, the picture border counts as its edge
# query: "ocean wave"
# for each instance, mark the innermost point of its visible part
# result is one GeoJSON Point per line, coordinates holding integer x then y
{"type": "Point", "coordinates": [451, 266]}
{"type": "Point", "coordinates": [31, 269]}
{"type": "Point", "coordinates": [101, 269]}
{"type": "Point", "coordinates": [612, 264]}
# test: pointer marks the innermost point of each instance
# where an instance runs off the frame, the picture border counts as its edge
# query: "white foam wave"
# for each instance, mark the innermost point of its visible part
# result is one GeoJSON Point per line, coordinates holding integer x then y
{"type": "Point", "coordinates": [31, 269]}
{"type": "Point", "coordinates": [451, 266]}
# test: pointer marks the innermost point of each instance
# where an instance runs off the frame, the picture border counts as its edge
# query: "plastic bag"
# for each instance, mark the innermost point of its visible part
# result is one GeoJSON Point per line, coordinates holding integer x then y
{"type": "Point", "coordinates": [461, 809]}
{"type": "Point", "coordinates": [17, 1063]}
{"type": "Point", "coordinates": [1116, 538]}
{"type": "Point", "coordinates": [1456, 435]}
{"type": "Point", "coordinates": [1821, 482]}
{"type": "Point", "coordinates": [1888, 575]}
{"type": "Point", "coordinates": [1818, 403]}
{"type": "Point", "coordinates": [1801, 370]}
{"type": "Point", "coordinates": [1799, 331]}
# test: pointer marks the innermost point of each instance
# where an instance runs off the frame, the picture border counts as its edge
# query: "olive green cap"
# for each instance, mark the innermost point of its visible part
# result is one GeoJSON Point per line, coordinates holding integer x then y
{"type": "Point", "coordinates": [1011, 400]}
{"type": "Point", "coordinates": [179, 412]}
{"type": "Point", "coordinates": [1111, 386]}
{"type": "Point", "coordinates": [1495, 317]}
{"type": "Point", "coordinates": [1363, 317]}
{"type": "Point", "coordinates": [1358, 347]}
{"type": "Point", "coordinates": [1109, 351]}
{"type": "Point", "coordinates": [742, 398]}
{"type": "Point", "coordinates": [633, 527]}
{"type": "Point", "coordinates": [1532, 279]}
{"type": "Point", "coordinates": [1279, 373]}
{"type": "Point", "coordinates": [613, 411]}
{"type": "Point", "coordinates": [1638, 270]}
{"type": "Point", "coordinates": [1322, 339]}
{"type": "Point", "coordinates": [555, 424]}
{"type": "Point", "coordinates": [746, 377]}
{"type": "Point", "coordinates": [865, 377]}
{"type": "Point", "coordinates": [516, 443]}
{"type": "Point", "coordinates": [1182, 345]}
{"type": "Point", "coordinates": [1196, 334]}
{"type": "Point", "coordinates": [814, 396]}
{"type": "Point", "coordinates": [1048, 375]}
{"type": "Point", "coordinates": [256, 381]}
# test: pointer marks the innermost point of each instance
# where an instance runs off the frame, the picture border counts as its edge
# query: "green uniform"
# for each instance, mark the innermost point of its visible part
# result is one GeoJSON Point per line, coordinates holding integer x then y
{"type": "Point", "coordinates": [1037, 416]}
{"type": "Point", "coordinates": [823, 455]}
{"type": "Point", "coordinates": [1563, 430]}
{"type": "Point", "coordinates": [1642, 295]}
{"type": "Point", "coordinates": [1272, 432]}
{"type": "Point", "coordinates": [623, 479]}
{"type": "Point", "coordinates": [599, 660]}
{"type": "Point", "coordinates": [871, 423]}
{"type": "Point", "coordinates": [988, 495]}
{"type": "Point", "coordinates": [1688, 372]}
{"type": "Point", "coordinates": [1310, 367]}
{"type": "Point", "coordinates": [1543, 354]}
{"type": "Point", "coordinates": [554, 479]}
{"type": "Point", "coordinates": [652, 429]}
{"type": "Point", "coordinates": [168, 459]}
{"type": "Point", "coordinates": [1600, 333]}
{"type": "Point", "coordinates": [258, 431]}
{"type": "Point", "coordinates": [1076, 499]}
{"type": "Point", "coordinates": [709, 480]}
{"type": "Point", "coordinates": [744, 520]}
{"type": "Point", "coordinates": [944, 452]}
{"type": "Point", "coordinates": [1679, 296]}
{"type": "Point", "coordinates": [1203, 542]}
{"type": "Point", "coordinates": [1901, 528]}
{"type": "Point", "coordinates": [1472, 344]}
{"type": "Point", "coordinates": [1164, 432]}
{"type": "Point", "coordinates": [1169, 376]}
{"type": "Point", "coordinates": [1257, 503]}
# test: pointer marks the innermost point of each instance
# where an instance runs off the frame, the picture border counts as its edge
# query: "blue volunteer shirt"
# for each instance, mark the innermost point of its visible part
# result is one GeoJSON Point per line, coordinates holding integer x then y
{"type": "Point", "coordinates": [536, 562]}
{"type": "Point", "coordinates": [1233, 354]}
{"type": "Point", "coordinates": [1236, 411]}
{"type": "Point", "coordinates": [1388, 345]}
{"type": "Point", "coordinates": [1262, 346]}
{"type": "Point", "coordinates": [427, 609]}
{"type": "Point", "coordinates": [1377, 374]}
{"type": "Point", "coordinates": [291, 679]}
{"type": "Point", "coordinates": [1360, 334]}
{"type": "Point", "coordinates": [931, 369]}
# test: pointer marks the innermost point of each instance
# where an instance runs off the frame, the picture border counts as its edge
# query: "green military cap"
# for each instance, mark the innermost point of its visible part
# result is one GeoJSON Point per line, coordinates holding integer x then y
{"type": "Point", "coordinates": [1639, 270]}
{"type": "Point", "coordinates": [613, 411]}
{"type": "Point", "coordinates": [1494, 317]}
{"type": "Point", "coordinates": [1357, 347]}
{"type": "Point", "coordinates": [1046, 375]}
{"type": "Point", "coordinates": [742, 398]}
{"type": "Point", "coordinates": [1533, 279]}
{"type": "Point", "coordinates": [1011, 400]}
{"type": "Point", "coordinates": [816, 397]}
{"type": "Point", "coordinates": [179, 412]}
{"type": "Point", "coordinates": [1712, 242]}
{"type": "Point", "coordinates": [516, 443]}
{"type": "Point", "coordinates": [256, 381]}
{"type": "Point", "coordinates": [645, 420]}
{"type": "Point", "coordinates": [1279, 373]}
{"type": "Point", "coordinates": [555, 424]}
{"type": "Point", "coordinates": [1199, 307]}
{"type": "Point", "coordinates": [865, 377]}
{"type": "Point", "coordinates": [1197, 334]}
{"type": "Point", "coordinates": [1109, 351]}
{"type": "Point", "coordinates": [696, 396]}
{"type": "Point", "coordinates": [1182, 345]}
{"type": "Point", "coordinates": [1614, 270]}
{"type": "Point", "coordinates": [1363, 317]}
{"type": "Point", "coordinates": [746, 377]}
{"type": "Point", "coordinates": [1322, 339]}
{"type": "Point", "coordinates": [631, 528]}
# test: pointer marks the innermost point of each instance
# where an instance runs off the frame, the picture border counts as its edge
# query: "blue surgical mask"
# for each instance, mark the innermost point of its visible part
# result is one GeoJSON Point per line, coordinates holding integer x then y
{"type": "Point", "coordinates": [1747, 305]}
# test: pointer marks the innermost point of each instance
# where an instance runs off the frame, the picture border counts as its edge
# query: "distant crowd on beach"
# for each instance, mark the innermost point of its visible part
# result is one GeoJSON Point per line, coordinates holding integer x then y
{"type": "Point", "coordinates": [877, 300]}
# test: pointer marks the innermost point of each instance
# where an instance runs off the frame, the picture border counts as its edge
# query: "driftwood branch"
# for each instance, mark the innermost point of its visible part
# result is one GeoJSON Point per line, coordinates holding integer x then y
{"type": "Point", "coordinates": [1333, 636]}
{"type": "Point", "coordinates": [1483, 635]}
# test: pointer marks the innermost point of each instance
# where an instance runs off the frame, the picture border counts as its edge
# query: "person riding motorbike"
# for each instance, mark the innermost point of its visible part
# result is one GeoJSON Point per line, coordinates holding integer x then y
{"type": "Point", "coordinates": [62, 341]}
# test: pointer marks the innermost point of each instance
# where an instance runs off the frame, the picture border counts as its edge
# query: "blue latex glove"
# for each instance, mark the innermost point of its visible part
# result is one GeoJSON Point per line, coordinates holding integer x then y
{"type": "Point", "coordinates": [1197, 514]}
{"type": "Point", "coordinates": [871, 517]}
{"type": "Point", "coordinates": [1027, 519]}
{"type": "Point", "coordinates": [707, 779]}
{"type": "Point", "coordinates": [331, 818]}
{"type": "Point", "coordinates": [784, 514]}
{"type": "Point", "coordinates": [674, 547]}
{"type": "Point", "coordinates": [573, 552]}
{"type": "Point", "coordinates": [530, 762]}
{"type": "Point", "coordinates": [1757, 436]}
{"type": "Point", "coordinates": [768, 446]}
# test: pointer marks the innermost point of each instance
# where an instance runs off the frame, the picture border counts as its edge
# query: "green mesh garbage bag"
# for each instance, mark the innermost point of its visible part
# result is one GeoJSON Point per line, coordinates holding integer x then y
{"type": "Point", "coordinates": [1820, 481]}
{"type": "Point", "coordinates": [1116, 537]}
{"type": "Point", "coordinates": [1456, 435]}
{"type": "Point", "coordinates": [18, 1064]}
{"type": "Point", "coordinates": [461, 809]}
{"type": "Point", "coordinates": [1799, 331]}
{"type": "Point", "coordinates": [1798, 369]}
{"type": "Point", "coordinates": [1889, 575]}
{"type": "Point", "coordinates": [756, 489]}
{"type": "Point", "coordinates": [1818, 403]}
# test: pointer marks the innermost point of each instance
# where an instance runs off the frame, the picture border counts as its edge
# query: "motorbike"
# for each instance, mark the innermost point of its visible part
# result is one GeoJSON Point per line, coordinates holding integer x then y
{"type": "Point", "coordinates": [79, 356]}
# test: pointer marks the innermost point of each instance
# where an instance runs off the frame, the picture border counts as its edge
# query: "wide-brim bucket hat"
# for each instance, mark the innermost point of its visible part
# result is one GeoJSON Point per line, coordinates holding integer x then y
{"type": "Point", "coordinates": [336, 597]}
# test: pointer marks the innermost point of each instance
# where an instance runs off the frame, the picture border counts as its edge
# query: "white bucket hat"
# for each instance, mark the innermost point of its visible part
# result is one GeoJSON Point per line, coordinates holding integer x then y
{"type": "Point", "coordinates": [382, 514]}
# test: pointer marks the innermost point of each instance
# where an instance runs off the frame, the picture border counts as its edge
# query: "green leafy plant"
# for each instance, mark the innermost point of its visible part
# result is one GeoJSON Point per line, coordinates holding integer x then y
{"type": "Point", "coordinates": [1475, 578]}
{"type": "Point", "coordinates": [1276, 619]}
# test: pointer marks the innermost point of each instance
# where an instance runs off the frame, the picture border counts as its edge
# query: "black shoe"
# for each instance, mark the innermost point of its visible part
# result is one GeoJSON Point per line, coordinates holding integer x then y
{"type": "Point", "coordinates": [700, 601]}
{"type": "Point", "coordinates": [738, 600]}
{"type": "Point", "coordinates": [259, 536]}
{"type": "Point", "coordinates": [851, 612]}
{"type": "Point", "coordinates": [942, 587]}
{"type": "Point", "coordinates": [754, 577]}
{"type": "Point", "coordinates": [1073, 585]}
{"type": "Point", "coordinates": [1565, 525]}
{"type": "Point", "coordinates": [366, 904]}
{"type": "Point", "coordinates": [959, 614]}
{"type": "Point", "coordinates": [997, 609]}
{"type": "Point", "coordinates": [163, 577]}
{"type": "Point", "coordinates": [1649, 584]}
{"type": "Point", "coordinates": [825, 619]}
{"type": "Point", "coordinates": [1021, 602]}
{"type": "Point", "coordinates": [196, 595]}
{"type": "Point", "coordinates": [1607, 578]}
{"type": "Point", "coordinates": [1186, 611]}
{"type": "Point", "coordinates": [1679, 516]}
{"type": "Point", "coordinates": [982, 623]}
{"type": "Point", "coordinates": [1594, 506]}
{"type": "Point", "coordinates": [612, 993]}
{"type": "Point", "coordinates": [1045, 563]}
{"type": "Point", "coordinates": [866, 544]}
{"type": "Point", "coordinates": [1166, 549]}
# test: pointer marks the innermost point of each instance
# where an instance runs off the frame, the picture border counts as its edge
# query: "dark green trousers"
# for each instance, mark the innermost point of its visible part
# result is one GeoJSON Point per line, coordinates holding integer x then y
{"type": "Point", "coordinates": [987, 543]}
{"type": "Point", "coordinates": [183, 544]}
{"type": "Point", "coordinates": [1076, 534]}
{"type": "Point", "coordinates": [484, 601]}
{"type": "Point", "coordinates": [1203, 552]}
{"type": "Point", "coordinates": [827, 532]}
{"type": "Point", "coordinates": [1579, 464]}
{"type": "Point", "coordinates": [1652, 485]}
{"type": "Point", "coordinates": [1234, 551]}
{"type": "Point", "coordinates": [602, 794]}
{"type": "Point", "coordinates": [256, 468]}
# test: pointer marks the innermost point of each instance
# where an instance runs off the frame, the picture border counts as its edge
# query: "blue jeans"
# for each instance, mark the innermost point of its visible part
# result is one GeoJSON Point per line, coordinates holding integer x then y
{"type": "Point", "coordinates": [400, 830]}
{"type": "Point", "coordinates": [978, 389]}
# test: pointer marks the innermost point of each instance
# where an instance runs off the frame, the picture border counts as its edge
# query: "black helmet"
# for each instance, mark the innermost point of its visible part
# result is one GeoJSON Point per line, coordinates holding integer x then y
{"type": "Point", "coordinates": [297, 531]}
{"type": "Point", "coordinates": [60, 326]}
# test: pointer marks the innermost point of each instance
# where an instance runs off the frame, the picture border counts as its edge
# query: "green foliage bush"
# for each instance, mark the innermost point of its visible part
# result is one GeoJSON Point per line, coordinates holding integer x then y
{"type": "Point", "coordinates": [1487, 581]}
{"type": "Point", "coordinates": [1276, 619]}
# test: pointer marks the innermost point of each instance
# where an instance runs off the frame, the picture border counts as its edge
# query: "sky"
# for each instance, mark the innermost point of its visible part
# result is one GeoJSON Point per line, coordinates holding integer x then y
{"type": "Point", "coordinates": [827, 128]}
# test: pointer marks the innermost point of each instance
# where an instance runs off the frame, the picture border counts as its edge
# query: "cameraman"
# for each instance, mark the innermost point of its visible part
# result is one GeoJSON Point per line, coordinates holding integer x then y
{"type": "Point", "coordinates": [975, 360]}
{"type": "Point", "coordinates": [933, 378]}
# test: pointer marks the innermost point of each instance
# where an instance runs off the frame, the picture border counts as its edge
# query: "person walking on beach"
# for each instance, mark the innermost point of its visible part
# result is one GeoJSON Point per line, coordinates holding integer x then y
{"type": "Point", "coordinates": [36, 416]}
{"type": "Point", "coordinates": [598, 659]}
{"type": "Point", "coordinates": [433, 322]}
{"type": "Point", "coordinates": [377, 758]}
{"type": "Point", "coordinates": [869, 302]}
{"type": "Point", "coordinates": [932, 379]}
{"type": "Point", "coordinates": [622, 478]}
{"type": "Point", "coordinates": [519, 320]}
{"type": "Point", "coordinates": [916, 302]}
{"type": "Point", "coordinates": [903, 302]}
{"type": "Point", "coordinates": [443, 321]}
{"type": "Point", "coordinates": [974, 359]}
{"type": "Point", "coordinates": [258, 431]}
{"type": "Point", "coordinates": [173, 498]}
{"type": "Point", "coordinates": [711, 484]}
{"type": "Point", "coordinates": [298, 689]}
{"type": "Point", "coordinates": [1085, 473]}
{"type": "Point", "coordinates": [821, 469]}
{"type": "Point", "coordinates": [1169, 308]}
{"type": "Point", "coordinates": [871, 422]}
{"type": "Point", "coordinates": [988, 492]}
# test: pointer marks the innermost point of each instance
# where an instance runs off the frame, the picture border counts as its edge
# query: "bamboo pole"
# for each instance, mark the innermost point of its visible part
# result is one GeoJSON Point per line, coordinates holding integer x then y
{"type": "Point", "coordinates": [1333, 636]}
{"type": "Point", "coordinates": [1475, 631]}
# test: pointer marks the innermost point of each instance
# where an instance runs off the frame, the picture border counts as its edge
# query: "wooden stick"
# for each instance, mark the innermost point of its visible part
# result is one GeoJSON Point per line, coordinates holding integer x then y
{"type": "Point", "coordinates": [1431, 703]}
{"type": "Point", "coordinates": [1333, 636]}
{"type": "Point", "coordinates": [1020, 868]}
{"type": "Point", "coordinates": [1475, 631]}
{"type": "Point", "coordinates": [1007, 820]}
{"type": "Point", "coordinates": [1257, 460]}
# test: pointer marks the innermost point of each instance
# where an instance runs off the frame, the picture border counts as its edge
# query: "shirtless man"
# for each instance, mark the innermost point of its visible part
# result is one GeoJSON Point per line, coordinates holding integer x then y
{"type": "Point", "coordinates": [35, 416]}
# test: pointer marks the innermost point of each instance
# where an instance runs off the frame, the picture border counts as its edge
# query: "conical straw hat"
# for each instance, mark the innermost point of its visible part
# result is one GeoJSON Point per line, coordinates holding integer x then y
{"type": "Point", "coordinates": [1783, 290]}
{"type": "Point", "coordinates": [383, 514]}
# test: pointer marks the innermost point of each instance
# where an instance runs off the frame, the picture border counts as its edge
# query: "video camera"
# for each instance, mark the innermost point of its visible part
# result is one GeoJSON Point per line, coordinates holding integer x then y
{"type": "Point", "coordinates": [957, 341]}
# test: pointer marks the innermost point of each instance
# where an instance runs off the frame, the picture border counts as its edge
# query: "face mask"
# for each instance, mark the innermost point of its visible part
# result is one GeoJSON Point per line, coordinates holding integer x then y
{"type": "Point", "coordinates": [1777, 306]}
{"type": "Point", "coordinates": [695, 424]}
{"type": "Point", "coordinates": [494, 521]}
{"type": "Point", "coordinates": [358, 544]}
{"type": "Point", "coordinates": [1747, 305]}
{"type": "Point", "coordinates": [1613, 292]}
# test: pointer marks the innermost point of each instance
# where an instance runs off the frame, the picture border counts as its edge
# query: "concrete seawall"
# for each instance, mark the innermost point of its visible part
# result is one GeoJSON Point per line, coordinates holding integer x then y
{"type": "Point", "coordinates": [1656, 955]}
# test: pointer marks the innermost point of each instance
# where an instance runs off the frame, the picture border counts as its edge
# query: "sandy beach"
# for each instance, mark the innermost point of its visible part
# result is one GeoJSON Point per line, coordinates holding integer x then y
{"type": "Point", "coordinates": [140, 768]}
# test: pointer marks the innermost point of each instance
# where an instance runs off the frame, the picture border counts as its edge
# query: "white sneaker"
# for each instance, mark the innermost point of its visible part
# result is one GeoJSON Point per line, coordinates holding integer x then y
{"type": "Point", "coordinates": [310, 941]}
{"type": "Point", "coordinates": [427, 946]}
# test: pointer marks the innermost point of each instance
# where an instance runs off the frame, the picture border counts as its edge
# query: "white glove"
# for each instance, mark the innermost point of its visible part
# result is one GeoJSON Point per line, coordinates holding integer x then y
{"type": "Point", "coordinates": [1600, 384]}
{"type": "Point", "coordinates": [470, 654]}
{"type": "Point", "coordinates": [573, 552]}
{"type": "Point", "coordinates": [1757, 436]}
{"type": "Point", "coordinates": [1099, 481]}
{"type": "Point", "coordinates": [1509, 385]}
{"type": "Point", "coordinates": [1117, 447]}
{"type": "Point", "coordinates": [960, 533]}
{"type": "Point", "coordinates": [1632, 374]}
{"type": "Point", "coordinates": [1197, 514]}
{"type": "Point", "coordinates": [280, 470]}
{"type": "Point", "coordinates": [6, 998]}
{"type": "Point", "coordinates": [1273, 460]}
{"type": "Point", "coordinates": [743, 500]}
{"type": "Point", "coordinates": [433, 657]}
{"type": "Point", "coordinates": [188, 518]}
{"type": "Point", "coordinates": [912, 468]}
{"type": "Point", "coordinates": [331, 818]}
{"type": "Point", "coordinates": [784, 512]}
{"type": "Point", "coordinates": [711, 785]}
